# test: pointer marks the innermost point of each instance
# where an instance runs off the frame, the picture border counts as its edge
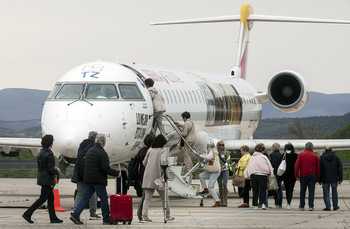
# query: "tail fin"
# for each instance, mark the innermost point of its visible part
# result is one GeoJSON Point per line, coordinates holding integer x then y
{"type": "Point", "coordinates": [239, 69]}
{"type": "Point", "coordinates": [247, 18]}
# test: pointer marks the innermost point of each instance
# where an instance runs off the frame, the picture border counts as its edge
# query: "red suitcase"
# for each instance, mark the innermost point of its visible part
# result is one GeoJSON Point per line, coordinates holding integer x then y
{"type": "Point", "coordinates": [121, 208]}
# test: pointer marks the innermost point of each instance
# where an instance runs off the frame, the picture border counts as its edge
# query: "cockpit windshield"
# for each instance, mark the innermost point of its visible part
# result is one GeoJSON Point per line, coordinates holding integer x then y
{"type": "Point", "coordinates": [70, 91]}
{"type": "Point", "coordinates": [101, 91]}
{"type": "Point", "coordinates": [96, 91]}
{"type": "Point", "coordinates": [129, 91]}
{"type": "Point", "coordinates": [54, 91]}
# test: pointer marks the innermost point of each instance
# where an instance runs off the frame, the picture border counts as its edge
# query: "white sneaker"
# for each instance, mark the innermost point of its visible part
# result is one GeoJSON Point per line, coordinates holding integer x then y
{"type": "Point", "coordinates": [288, 206]}
{"type": "Point", "coordinates": [256, 208]}
{"type": "Point", "coordinates": [263, 206]}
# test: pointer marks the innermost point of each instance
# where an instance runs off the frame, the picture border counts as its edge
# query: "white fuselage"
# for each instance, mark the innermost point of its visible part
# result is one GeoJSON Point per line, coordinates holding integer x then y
{"type": "Point", "coordinates": [112, 99]}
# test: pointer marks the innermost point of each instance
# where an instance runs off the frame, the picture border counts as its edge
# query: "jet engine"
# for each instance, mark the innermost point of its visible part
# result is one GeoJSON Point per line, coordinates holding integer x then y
{"type": "Point", "coordinates": [287, 91]}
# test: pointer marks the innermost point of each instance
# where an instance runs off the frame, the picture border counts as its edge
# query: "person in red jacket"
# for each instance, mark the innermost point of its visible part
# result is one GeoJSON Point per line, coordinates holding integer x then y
{"type": "Point", "coordinates": [307, 168]}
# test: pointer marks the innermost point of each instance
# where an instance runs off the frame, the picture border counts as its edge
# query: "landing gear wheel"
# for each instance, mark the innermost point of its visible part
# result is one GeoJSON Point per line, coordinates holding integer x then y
{"type": "Point", "coordinates": [129, 222]}
{"type": "Point", "coordinates": [201, 204]}
{"type": "Point", "coordinates": [124, 222]}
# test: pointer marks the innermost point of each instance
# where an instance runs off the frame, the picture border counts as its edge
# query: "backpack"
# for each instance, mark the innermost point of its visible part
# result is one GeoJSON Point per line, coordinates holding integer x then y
{"type": "Point", "coordinates": [134, 167]}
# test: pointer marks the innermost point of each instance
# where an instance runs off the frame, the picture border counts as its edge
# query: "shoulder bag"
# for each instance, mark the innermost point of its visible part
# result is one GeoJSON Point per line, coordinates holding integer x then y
{"type": "Point", "coordinates": [238, 181]}
{"type": "Point", "coordinates": [282, 167]}
{"type": "Point", "coordinates": [272, 183]}
{"type": "Point", "coordinates": [213, 166]}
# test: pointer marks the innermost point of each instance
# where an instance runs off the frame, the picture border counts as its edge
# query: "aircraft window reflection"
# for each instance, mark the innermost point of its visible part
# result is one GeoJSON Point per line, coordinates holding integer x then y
{"type": "Point", "coordinates": [70, 91]}
{"type": "Point", "coordinates": [102, 91]}
{"type": "Point", "coordinates": [129, 91]}
{"type": "Point", "coordinates": [54, 91]}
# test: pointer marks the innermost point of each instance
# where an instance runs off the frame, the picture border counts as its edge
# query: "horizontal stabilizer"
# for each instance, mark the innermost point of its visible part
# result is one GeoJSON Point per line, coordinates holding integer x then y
{"type": "Point", "coordinates": [253, 18]}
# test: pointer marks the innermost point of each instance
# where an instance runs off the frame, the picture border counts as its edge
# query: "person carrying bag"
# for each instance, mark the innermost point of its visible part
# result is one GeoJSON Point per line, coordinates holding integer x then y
{"type": "Point", "coordinates": [212, 172]}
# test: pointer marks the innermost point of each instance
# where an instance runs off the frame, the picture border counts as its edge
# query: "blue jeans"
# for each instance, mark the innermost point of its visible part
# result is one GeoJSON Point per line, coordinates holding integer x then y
{"type": "Point", "coordinates": [334, 194]}
{"type": "Point", "coordinates": [279, 194]}
{"type": "Point", "coordinates": [212, 179]}
{"type": "Point", "coordinates": [101, 192]}
{"type": "Point", "coordinates": [223, 179]}
{"type": "Point", "coordinates": [309, 182]}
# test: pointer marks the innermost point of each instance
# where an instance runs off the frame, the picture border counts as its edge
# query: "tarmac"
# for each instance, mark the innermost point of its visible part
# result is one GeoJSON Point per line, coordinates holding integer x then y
{"type": "Point", "coordinates": [18, 194]}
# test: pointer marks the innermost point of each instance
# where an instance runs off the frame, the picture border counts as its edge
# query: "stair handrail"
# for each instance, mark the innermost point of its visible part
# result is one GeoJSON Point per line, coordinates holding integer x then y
{"type": "Point", "coordinates": [177, 129]}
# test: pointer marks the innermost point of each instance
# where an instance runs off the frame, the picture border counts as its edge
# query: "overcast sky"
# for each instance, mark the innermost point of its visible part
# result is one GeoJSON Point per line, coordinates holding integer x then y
{"type": "Point", "coordinates": [41, 40]}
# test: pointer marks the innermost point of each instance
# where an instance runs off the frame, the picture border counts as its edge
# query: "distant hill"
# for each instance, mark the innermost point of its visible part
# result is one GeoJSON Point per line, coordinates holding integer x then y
{"type": "Point", "coordinates": [318, 105]}
{"type": "Point", "coordinates": [276, 128]}
{"type": "Point", "coordinates": [21, 104]}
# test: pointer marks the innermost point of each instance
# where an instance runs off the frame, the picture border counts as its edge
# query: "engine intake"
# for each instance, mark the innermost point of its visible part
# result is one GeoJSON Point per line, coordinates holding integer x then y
{"type": "Point", "coordinates": [287, 91]}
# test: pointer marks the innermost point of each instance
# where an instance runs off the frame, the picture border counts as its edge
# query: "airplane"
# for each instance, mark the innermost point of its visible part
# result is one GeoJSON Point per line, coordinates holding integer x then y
{"type": "Point", "coordinates": [111, 98]}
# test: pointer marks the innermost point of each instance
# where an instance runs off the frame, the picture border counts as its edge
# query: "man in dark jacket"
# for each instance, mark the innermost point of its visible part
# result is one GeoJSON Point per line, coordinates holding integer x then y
{"type": "Point", "coordinates": [95, 178]}
{"type": "Point", "coordinates": [331, 173]}
{"type": "Point", "coordinates": [46, 179]}
{"type": "Point", "coordinates": [78, 174]}
{"type": "Point", "coordinates": [275, 159]}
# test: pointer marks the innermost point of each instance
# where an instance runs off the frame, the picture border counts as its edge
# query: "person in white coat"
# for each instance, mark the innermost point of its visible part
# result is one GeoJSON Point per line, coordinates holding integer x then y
{"type": "Point", "coordinates": [156, 157]}
{"type": "Point", "coordinates": [211, 154]}
{"type": "Point", "coordinates": [158, 107]}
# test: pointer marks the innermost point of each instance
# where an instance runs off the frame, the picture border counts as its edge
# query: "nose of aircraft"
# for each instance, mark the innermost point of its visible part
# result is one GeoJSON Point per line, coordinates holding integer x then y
{"type": "Point", "coordinates": [68, 136]}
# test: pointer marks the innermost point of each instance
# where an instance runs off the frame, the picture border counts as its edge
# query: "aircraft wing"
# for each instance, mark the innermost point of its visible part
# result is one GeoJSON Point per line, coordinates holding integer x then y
{"type": "Point", "coordinates": [299, 144]}
{"type": "Point", "coordinates": [34, 144]}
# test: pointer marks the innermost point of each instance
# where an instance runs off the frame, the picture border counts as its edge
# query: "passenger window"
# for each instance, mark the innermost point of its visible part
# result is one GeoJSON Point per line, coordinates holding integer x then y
{"type": "Point", "coordinates": [174, 96]}
{"type": "Point", "coordinates": [199, 97]}
{"type": "Point", "coordinates": [178, 95]}
{"type": "Point", "coordinates": [70, 91]}
{"type": "Point", "coordinates": [54, 91]}
{"type": "Point", "coordinates": [129, 91]}
{"type": "Point", "coordinates": [194, 95]}
{"type": "Point", "coordinates": [168, 93]}
{"type": "Point", "coordinates": [102, 91]}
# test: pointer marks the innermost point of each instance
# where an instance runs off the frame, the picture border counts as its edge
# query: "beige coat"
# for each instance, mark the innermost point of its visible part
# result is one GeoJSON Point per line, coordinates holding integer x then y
{"type": "Point", "coordinates": [155, 158]}
{"type": "Point", "coordinates": [188, 133]}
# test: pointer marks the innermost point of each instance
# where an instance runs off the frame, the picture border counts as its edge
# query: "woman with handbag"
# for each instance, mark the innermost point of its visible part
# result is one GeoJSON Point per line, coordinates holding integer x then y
{"type": "Point", "coordinates": [224, 174]}
{"type": "Point", "coordinates": [288, 177]}
{"type": "Point", "coordinates": [156, 157]}
{"type": "Point", "coordinates": [241, 166]}
{"type": "Point", "coordinates": [212, 172]}
{"type": "Point", "coordinates": [258, 169]}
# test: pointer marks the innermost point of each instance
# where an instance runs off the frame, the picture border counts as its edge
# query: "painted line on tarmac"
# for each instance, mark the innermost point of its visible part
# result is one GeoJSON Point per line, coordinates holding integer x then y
{"type": "Point", "coordinates": [216, 217]}
{"type": "Point", "coordinates": [236, 213]}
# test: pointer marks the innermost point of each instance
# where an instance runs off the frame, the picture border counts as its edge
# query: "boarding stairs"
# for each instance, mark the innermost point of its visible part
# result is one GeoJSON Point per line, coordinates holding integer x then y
{"type": "Point", "coordinates": [178, 183]}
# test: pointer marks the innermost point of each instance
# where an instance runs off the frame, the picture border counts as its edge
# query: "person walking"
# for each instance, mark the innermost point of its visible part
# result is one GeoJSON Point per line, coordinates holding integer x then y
{"type": "Point", "coordinates": [78, 175]}
{"type": "Point", "coordinates": [307, 168]}
{"type": "Point", "coordinates": [288, 177]}
{"type": "Point", "coordinates": [189, 133]}
{"type": "Point", "coordinates": [331, 174]}
{"type": "Point", "coordinates": [275, 159]}
{"type": "Point", "coordinates": [156, 157]}
{"type": "Point", "coordinates": [224, 174]}
{"type": "Point", "coordinates": [46, 179]}
{"type": "Point", "coordinates": [95, 178]}
{"type": "Point", "coordinates": [211, 155]}
{"type": "Point", "coordinates": [258, 170]}
{"type": "Point", "coordinates": [148, 141]}
{"type": "Point", "coordinates": [241, 166]}
{"type": "Point", "coordinates": [158, 107]}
